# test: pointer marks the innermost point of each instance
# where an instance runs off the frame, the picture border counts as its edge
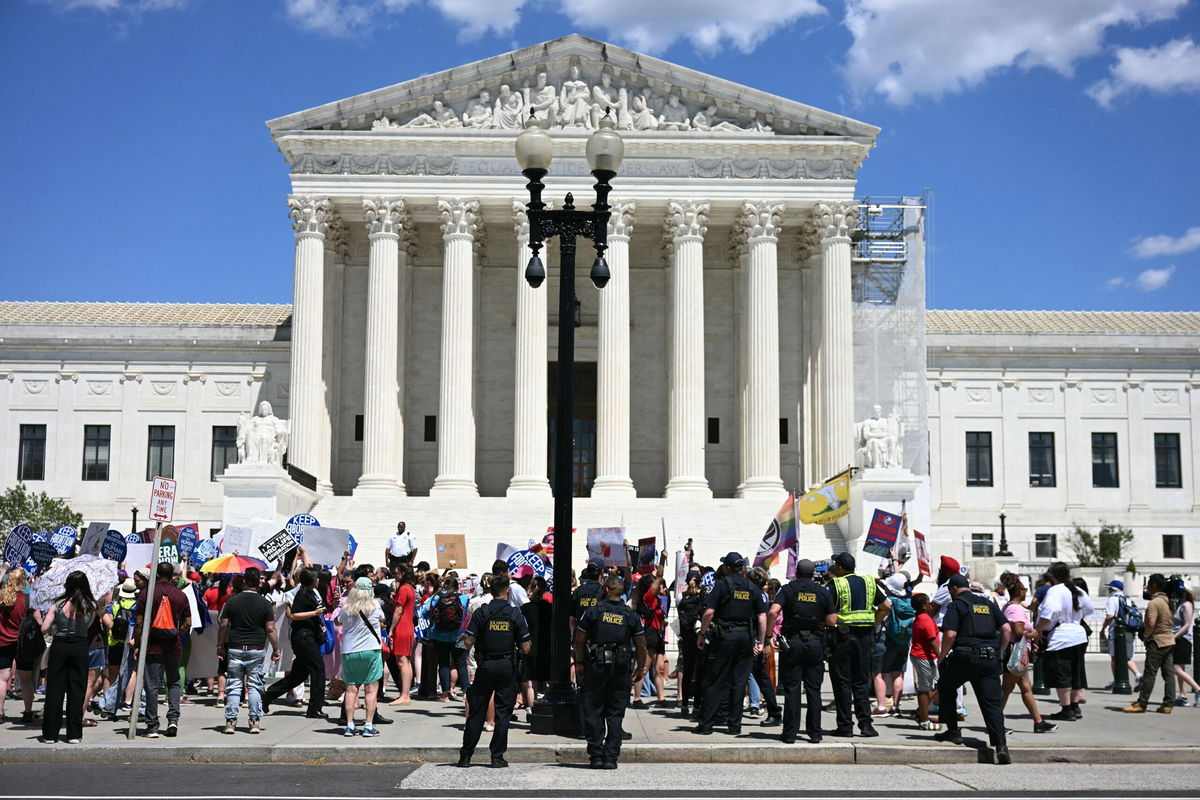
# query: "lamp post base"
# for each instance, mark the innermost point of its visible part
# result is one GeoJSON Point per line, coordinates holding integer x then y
{"type": "Point", "coordinates": [558, 713]}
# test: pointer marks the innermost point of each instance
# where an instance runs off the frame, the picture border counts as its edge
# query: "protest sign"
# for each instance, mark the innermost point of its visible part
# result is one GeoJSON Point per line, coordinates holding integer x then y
{"type": "Point", "coordinates": [297, 523]}
{"type": "Point", "coordinates": [16, 549]}
{"type": "Point", "coordinates": [41, 554]}
{"type": "Point", "coordinates": [647, 553]}
{"type": "Point", "coordinates": [93, 538]}
{"type": "Point", "coordinates": [138, 556]}
{"type": "Point", "coordinates": [114, 547]}
{"type": "Point", "coordinates": [189, 534]}
{"type": "Point", "coordinates": [351, 544]}
{"type": "Point", "coordinates": [275, 547]}
{"type": "Point", "coordinates": [682, 563]}
{"type": "Point", "coordinates": [63, 540]}
{"type": "Point", "coordinates": [881, 536]}
{"type": "Point", "coordinates": [325, 545]}
{"type": "Point", "coordinates": [503, 551]}
{"type": "Point", "coordinates": [924, 562]}
{"type": "Point", "coordinates": [607, 545]}
{"type": "Point", "coordinates": [237, 540]}
{"type": "Point", "coordinates": [709, 580]}
{"type": "Point", "coordinates": [133, 538]}
{"type": "Point", "coordinates": [451, 550]}
{"type": "Point", "coordinates": [206, 550]}
{"type": "Point", "coordinates": [526, 558]}
{"type": "Point", "coordinates": [468, 585]}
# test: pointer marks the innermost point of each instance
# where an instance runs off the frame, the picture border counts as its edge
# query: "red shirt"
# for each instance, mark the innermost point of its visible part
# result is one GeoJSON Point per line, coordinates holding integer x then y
{"type": "Point", "coordinates": [654, 612]}
{"type": "Point", "coordinates": [214, 600]}
{"type": "Point", "coordinates": [924, 638]}
{"type": "Point", "coordinates": [10, 620]}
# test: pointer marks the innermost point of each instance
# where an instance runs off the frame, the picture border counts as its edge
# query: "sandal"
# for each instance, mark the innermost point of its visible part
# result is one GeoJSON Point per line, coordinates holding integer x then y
{"type": "Point", "coordinates": [89, 723]}
{"type": "Point", "coordinates": [929, 726]}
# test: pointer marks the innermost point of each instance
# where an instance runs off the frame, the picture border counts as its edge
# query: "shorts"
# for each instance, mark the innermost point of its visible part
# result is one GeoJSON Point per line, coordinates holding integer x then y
{"type": "Point", "coordinates": [894, 657]}
{"type": "Point", "coordinates": [1064, 669]}
{"type": "Point", "coordinates": [362, 668]}
{"type": "Point", "coordinates": [97, 659]}
{"type": "Point", "coordinates": [8, 654]}
{"type": "Point", "coordinates": [115, 653]}
{"type": "Point", "coordinates": [877, 654]}
{"type": "Point", "coordinates": [655, 642]}
{"type": "Point", "coordinates": [1183, 653]}
{"type": "Point", "coordinates": [925, 675]}
{"type": "Point", "coordinates": [1128, 645]}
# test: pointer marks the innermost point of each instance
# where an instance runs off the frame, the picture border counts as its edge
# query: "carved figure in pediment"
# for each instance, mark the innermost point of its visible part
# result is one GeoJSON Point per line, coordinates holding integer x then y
{"type": "Point", "coordinates": [642, 116]}
{"type": "Point", "coordinates": [479, 111]}
{"type": "Point", "coordinates": [707, 120]}
{"type": "Point", "coordinates": [624, 118]}
{"type": "Point", "coordinates": [542, 100]}
{"type": "Point", "coordinates": [383, 123]}
{"type": "Point", "coordinates": [757, 124]}
{"type": "Point", "coordinates": [507, 114]}
{"type": "Point", "coordinates": [574, 106]}
{"type": "Point", "coordinates": [441, 117]}
{"type": "Point", "coordinates": [604, 97]}
{"type": "Point", "coordinates": [674, 116]}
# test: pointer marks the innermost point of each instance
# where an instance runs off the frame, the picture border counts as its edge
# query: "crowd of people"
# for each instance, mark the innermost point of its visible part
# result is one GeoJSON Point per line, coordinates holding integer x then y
{"type": "Point", "coordinates": [355, 633]}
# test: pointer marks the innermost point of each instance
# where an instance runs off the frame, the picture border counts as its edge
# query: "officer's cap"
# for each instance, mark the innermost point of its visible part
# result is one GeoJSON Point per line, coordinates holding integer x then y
{"type": "Point", "coordinates": [732, 559]}
{"type": "Point", "coordinates": [958, 581]}
{"type": "Point", "coordinates": [844, 560]}
{"type": "Point", "coordinates": [598, 563]}
{"type": "Point", "coordinates": [806, 567]}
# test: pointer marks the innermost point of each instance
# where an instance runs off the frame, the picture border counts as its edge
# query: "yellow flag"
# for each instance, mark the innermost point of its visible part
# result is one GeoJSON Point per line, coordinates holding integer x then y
{"type": "Point", "coordinates": [827, 503]}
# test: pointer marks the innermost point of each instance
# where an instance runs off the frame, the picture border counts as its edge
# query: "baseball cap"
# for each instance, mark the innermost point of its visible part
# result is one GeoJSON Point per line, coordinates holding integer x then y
{"type": "Point", "coordinates": [844, 560]}
{"type": "Point", "coordinates": [364, 583]}
{"type": "Point", "coordinates": [1116, 585]}
{"type": "Point", "coordinates": [522, 571]}
{"type": "Point", "coordinates": [733, 559]}
{"type": "Point", "coordinates": [958, 581]}
{"type": "Point", "coordinates": [805, 566]}
{"type": "Point", "coordinates": [598, 563]}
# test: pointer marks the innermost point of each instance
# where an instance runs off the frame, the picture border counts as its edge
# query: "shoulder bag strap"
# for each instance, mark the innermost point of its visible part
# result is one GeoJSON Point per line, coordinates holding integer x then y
{"type": "Point", "coordinates": [370, 627]}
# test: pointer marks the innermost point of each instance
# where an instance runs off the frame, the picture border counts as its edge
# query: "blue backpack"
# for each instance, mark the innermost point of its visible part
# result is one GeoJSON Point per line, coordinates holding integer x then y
{"type": "Point", "coordinates": [900, 620]}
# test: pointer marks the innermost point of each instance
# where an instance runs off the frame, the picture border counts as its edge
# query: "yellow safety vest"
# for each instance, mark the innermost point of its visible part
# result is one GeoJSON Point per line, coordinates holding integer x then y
{"type": "Point", "coordinates": [854, 616]}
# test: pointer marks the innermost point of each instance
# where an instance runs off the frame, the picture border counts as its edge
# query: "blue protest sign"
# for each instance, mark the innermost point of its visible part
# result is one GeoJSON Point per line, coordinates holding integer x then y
{"type": "Point", "coordinates": [41, 536]}
{"type": "Point", "coordinates": [64, 539]}
{"type": "Point", "coordinates": [526, 558]}
{"type": "Point", "coordinates": [16, 549]}
{"type": "Point", "coordinates": [133, 538]}
{"type": "Point", "coordinates": [709, 580]}
{"type": "Point", "coordinates": [188, 536]}
{"type": "Point", "coordinates": [296, 525]}
{"type": "Point", "coordinates": [113, 548]}
{"type": "Point", "coordinates": [41, 554]}
{"type": "Point", "coordinates": [206, 550]}
{"type": "Point", "coordinates": [352, 544]}
{"type": "Point", "coordinates": [882, 533]}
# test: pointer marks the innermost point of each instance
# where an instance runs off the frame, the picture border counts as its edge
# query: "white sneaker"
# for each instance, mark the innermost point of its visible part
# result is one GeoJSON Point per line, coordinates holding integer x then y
{"type": "Point", "coordinates": [489, 727]}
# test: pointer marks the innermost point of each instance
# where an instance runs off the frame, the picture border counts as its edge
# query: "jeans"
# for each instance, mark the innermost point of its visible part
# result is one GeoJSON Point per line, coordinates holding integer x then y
{"type": "Point", "coordinates": [111, 700]}
{"type": "Point", "coordinates": [162, 669]}
{"type": "Point", "coordinates": [244, 667]}
{"type": "Point", "coordinates": [755, 693]}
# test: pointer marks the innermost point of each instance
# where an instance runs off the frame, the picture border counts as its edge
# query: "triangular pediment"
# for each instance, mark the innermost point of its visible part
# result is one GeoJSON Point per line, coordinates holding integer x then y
{"type": "Point", "coordinates": [570, 81]}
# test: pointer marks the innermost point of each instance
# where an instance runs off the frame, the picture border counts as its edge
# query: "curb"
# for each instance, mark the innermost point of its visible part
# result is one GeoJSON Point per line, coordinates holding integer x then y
{"type": "Point", "coordinates": [575, 753]}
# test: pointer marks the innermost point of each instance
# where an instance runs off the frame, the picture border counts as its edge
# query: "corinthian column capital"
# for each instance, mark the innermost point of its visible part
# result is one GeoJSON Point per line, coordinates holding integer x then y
{"type": "Point", "coordinates": [686, 219]}
{"type": "Point", "coordinates": [385, 215]}
{"type": "Point", "coordinates": [620, 223]}
{"type": "Point", "coordinates": [309, 214]}
{"type": "Point", "coordinates": [759, 220]}
{"type": "Point", "coordinates": [835, 220]}
{"type": "Point", "coordinates": [459, 217]}
{"type": "Point", "coordinates": [337, 236]}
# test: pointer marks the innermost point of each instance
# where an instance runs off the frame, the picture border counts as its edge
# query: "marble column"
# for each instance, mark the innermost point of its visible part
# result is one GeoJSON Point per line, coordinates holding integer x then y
{"type": "Point", "coordinates": [834, 222]}
{"type": "Point", "coordinates": [760, 226]}
{"type": "Point", "coordinates": [337, 252]}
{"type": "Point", "coordinates": [456, 405]}
{"type": "Point", "coordinates": [529, 407]}
{"type": "Point", "coordinates": [307, 401]}
{"type": "Point", "coordinates": [612, 364]}
{"type": "Point", "coordinates": [686, 225]}
{"type": "Point", "coordinates": [383, 423]}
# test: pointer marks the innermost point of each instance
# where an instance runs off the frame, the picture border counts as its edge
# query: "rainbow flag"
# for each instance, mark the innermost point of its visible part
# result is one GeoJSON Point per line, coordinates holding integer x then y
{"type": "Point", "coordinates": [781, 535]}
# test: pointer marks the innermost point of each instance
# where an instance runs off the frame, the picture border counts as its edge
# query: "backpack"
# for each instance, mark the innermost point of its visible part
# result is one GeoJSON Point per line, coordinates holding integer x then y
{"type": "Point", "coordinates": [1130, 616]}
{"type": "Point", "coordinates": [122, 621]}
{"type": "Point", "coordinates": [30, 641]}
{"type": "Point", "coordinates": [163, 628]}
{"type": "Point", "coordinates": [900, 620]}
{"type": "Point", "coordinates": [447, 613]}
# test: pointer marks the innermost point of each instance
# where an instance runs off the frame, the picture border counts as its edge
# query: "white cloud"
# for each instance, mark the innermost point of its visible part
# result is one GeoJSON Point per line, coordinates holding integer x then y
{"type": "Point", "coordinates": [1163, 245]}
{"type": "Point", "coordinates": [903, 49]}
{"type": "Point", "coordinates": [654, 25]}
{"type": "Point", "coordinates": [1153, 279]}
{"type": "Point", "coordinates": [1114, 283]}
{"type": "Point", "coordinates": [1173, 67]}
{"type": "Point", "coordinates": [330, 17]}
{"type": "Point", "coordinates": [477, 17]}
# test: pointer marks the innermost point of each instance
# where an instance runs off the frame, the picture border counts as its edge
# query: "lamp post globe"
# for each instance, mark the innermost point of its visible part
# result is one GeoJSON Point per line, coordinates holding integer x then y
{"type": "Point", "coordinates": [535, 148]}
{"type": "Point", "coordinates": [605, 148]}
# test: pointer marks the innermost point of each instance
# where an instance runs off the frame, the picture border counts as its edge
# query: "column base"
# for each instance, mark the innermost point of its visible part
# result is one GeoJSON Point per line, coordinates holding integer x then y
{"type": "Point", "coordinates": [762, 488]}
{"type": "Point", "coordinates": [613, 486]}
{"type": "Point", "coordinates": [688, 487]}
{"type": "Point", "coordinates": [379, 486]}
{"type": "Point", "coordinates": [454, 485]}
{"type": "Point", "coordinates": [529, 486]}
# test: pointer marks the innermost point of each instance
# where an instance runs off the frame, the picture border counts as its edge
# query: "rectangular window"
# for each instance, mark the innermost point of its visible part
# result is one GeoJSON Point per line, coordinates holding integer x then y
{"type": "Point", "coordinates": [982, 545]}
{"type": "Point", "coordinates": [714, 430]}
{"type": "Point", "coordinates": [1041, 459]}
{"type": "Point", "coordinates": [431, 428]}
{"type": "Point", "coordinates": [358, 427]}
{"type": "Point", "coordinates": [31, 458]}
{"type": "Point", "coordinates": [979, 458]}
{"type": "Point", "coordinates": [1167, 474]}
{"type": "Point", "coordinates": [1045, 545]}
{"type": "Point", "coordinates": [1104, 461]}
{"type": "Point", "coordinates": [160, 452]}
{"type": "Point", "coordinates": [96, 440]}
{"type": "Point", "coordinates": [783, 430]}
{"type": "Point", "coordinates": [224, 449]}
{"type": "Point", "coordinates": [1173, 545]}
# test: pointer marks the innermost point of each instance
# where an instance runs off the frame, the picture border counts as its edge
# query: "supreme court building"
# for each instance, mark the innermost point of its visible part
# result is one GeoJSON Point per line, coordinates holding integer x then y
{"type": "Point", "coordinates": [759, 308]}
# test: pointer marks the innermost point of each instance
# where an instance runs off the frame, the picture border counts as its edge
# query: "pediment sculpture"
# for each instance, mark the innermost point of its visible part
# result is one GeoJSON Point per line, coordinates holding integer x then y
{"type": "Point", "coordinates": [576, 104]}
{"type": "Point", "coordinates": [262, 438]}
{"type": "Point", "coordinates": [877, 441]}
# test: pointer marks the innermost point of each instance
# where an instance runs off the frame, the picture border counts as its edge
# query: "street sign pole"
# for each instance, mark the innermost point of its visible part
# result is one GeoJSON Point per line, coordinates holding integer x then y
{"type": "Point", "coordinates": [147, 617]}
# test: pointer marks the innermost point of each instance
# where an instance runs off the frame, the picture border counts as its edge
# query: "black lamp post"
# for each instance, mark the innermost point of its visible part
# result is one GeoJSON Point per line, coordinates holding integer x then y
{"type": "Point", "coordinates": [559, 713]}
{"type": "Point", "coordinates": [1003, 552]}
{"type": "Point", "coordinates": [134, 511]}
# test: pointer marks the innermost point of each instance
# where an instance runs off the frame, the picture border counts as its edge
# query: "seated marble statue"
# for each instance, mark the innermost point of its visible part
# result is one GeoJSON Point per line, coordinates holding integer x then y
{"type": "Point", "coordinates": [604, 97]}
{"type": "Point", "coordinates": [507, 114]}
{"type": "Point", "coordinates": [542, 101]}
{"type": "Point", "coordinates": [479, 112]}
{"type": "Point", "coordinates": [442, 117]}
{"type": "Point", "coordinates": [878, 441]}
{"type": "Point", "coordinates": [707, 120]}
{"type": "Point", "coordinates": [263, 438]}
{"type": "Point", "coordinates": [675, 116]}
{"type": "Point", "coordinates": [642, 117]}
{"type": "Point", "coordinates": [574, 107]}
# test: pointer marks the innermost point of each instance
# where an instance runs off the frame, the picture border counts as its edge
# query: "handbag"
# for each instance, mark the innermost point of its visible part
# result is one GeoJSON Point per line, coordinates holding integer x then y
{"type": "Point", "coordinates": [1018, 657]}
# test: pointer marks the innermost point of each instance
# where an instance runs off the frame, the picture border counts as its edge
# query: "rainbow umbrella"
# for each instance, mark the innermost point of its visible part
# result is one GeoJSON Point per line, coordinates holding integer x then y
{"type": "Point", "coordinates": [231, 564]}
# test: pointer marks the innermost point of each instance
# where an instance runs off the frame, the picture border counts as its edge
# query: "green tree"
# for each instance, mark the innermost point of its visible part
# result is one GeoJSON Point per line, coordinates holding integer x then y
{"type": "Point", "coordinates": [1102, 549]}
{"type": "Point", "coordinates": [40, 510]}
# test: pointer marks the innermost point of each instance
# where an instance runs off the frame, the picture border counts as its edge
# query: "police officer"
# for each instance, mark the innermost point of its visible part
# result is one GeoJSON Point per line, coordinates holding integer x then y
{"type": "Point", "coordinates": [808, 611]}
{"type": "Point", "coordinates": [609, 642]}
{"type": "Point", "coordinates": [860, 606]}
{"type": "Point", "coordinates": [731, 632]}
{"type": "Point", "coordinates": [589, 592]}
{"type": "Point", "coordinates": [971, 654]}
{"type": "Point", "coordinates": [496, 630]}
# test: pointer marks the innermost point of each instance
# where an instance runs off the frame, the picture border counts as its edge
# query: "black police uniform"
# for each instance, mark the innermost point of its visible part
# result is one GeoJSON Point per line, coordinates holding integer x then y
{"type": "Point", "coordinates": [850, 664]}
{"type": "Point", "coordinates": [497, 628]}
{"type": "Point", "coordinates": [587, 595]}
{"type": "Point", "coordinates": [736, 604]}
{"type": "Point", "coordinates": [805, 605]}
{"type": "Point", "coordinates": [975, 659]}
{"type": "Point", "coordinates": [610, 628]}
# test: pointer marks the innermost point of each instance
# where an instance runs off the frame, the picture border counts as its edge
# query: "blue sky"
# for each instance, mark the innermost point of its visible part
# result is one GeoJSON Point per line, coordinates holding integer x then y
{"type": "Point", "coordinates": [1058, 137]}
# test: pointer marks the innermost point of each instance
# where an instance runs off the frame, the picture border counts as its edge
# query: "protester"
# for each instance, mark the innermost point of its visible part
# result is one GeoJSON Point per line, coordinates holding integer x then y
{"type": "Point", "coordinates": [1108, 630]}
{"type": "Point", "coordinates": [215, 597]}
{"type": "Point", "coordinates": [897, 636]}
{"type": "Point", "coordinates": [361, 620]}
{"type": "Point", "coordinates": [535, 668]}
{"type": "Point", "coordinates": [403, 636]}
{"type": "Point", "coordinates": [247, 626]}
{"type": "Point", "coordinates": [923, 655]}
{"type": "Point", "coordinates": [304, 612]}
{"type": "Point", "coordinates": [1181, 656]}
{"type": "Point", "coordinates": [71, 622]}
{"type": "Point", "coordinates": [688, 612]}
{"type": "Point", "coordinates": [1060, 620]}
{"type": "Point", "coordinates": [168, 618]}
{"type": "Point", "coordinates": [447, 611]}
{"type": "Point", "coordinates": [13, 603]}
{"type": "Point", "coordinates": [97, 658]}
{"type": "Point", "coordinates": [648, 606]}
{"type": "Point", "coordinates": [1160, 648]}
{"type": "Point", "coordinates": [1022, 628]}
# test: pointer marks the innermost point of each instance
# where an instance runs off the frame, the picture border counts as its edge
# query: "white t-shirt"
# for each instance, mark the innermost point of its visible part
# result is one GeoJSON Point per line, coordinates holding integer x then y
{"type": "Point", "coordinates": [356, 637]}
{"type": "Point", "coordinates": [516, 595]}
{"type": "Point", "coordinates": [401, 544]}
{"type": "Point", "coordinates": [1058, 608]}
{"type": "Point", "coordinates": [941, 598]}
